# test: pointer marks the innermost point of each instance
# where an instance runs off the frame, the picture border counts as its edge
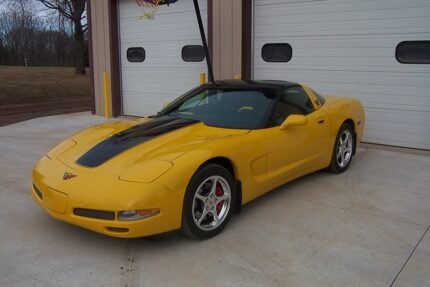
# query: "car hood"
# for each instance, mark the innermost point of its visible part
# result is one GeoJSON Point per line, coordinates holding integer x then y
{"type": "Point", "coordinates": [113, 148]}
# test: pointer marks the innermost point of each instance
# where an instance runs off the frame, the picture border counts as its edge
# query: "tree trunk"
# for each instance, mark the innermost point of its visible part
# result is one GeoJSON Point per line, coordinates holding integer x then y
{"type": "Point", "coordinates": [80, 48]}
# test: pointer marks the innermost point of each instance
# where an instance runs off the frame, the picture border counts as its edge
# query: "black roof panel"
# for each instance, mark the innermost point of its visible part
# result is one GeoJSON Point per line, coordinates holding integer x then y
{"type": "Point", "coordinates": [270, 84]}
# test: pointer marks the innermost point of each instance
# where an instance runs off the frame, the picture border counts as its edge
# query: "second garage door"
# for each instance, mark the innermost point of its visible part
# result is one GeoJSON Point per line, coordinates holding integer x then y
{"type": "Point", "coordinates": [348, 47]}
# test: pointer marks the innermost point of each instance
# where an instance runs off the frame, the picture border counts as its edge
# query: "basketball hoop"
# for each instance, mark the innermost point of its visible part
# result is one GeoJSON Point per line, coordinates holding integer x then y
{"type": "Point", "coordinates": [150, 7]}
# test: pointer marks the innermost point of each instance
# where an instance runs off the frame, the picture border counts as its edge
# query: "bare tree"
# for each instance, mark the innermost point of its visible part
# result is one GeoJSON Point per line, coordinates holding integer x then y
{"type": "Point", "coordinates": [73, 10]}
{"type": "Point", "coordinates": [30, 38]}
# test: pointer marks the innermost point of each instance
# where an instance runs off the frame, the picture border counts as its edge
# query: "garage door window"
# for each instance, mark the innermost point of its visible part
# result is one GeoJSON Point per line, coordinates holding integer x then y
{"type": "Point", "coordinates": [413, 52]}
{"type": "Point", "coordinates": [193, 53]}
{"type": "Point", "coordinates": [277, 52]}
{"type": "Point", "coordinates": [136, 54]}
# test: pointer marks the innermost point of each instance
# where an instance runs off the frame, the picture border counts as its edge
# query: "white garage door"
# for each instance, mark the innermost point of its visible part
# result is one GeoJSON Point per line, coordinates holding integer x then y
{"type": "Point", "coordinates": [163, 75]}
{"type": "Point", "coordinates": [348, 47]}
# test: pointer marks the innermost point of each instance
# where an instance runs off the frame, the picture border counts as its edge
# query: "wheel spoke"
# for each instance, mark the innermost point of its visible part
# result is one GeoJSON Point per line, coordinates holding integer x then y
{"type": "Point", "coordinates": [223, 197]}
{"type": "Point", "coordinates": [347, 138]}
{"type": "Point", "coordinates": [342, 155]}
{"type": "Point", "coordinates": [339, 152]}
{"type": "Point", "coordinates": [213, 188]}
{"type": "Point", "coordinates": [201, 197]}
{"type": "Point", "coordinates": [204, 214]}
{"type": "Point", "coordinates": [215, 217]}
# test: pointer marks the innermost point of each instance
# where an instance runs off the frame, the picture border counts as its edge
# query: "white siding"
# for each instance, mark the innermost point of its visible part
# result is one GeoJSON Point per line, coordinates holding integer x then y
{"type": "Point", "coordinates": [347, 47]}
{"type": "Point", "coordinates": [163, 76]}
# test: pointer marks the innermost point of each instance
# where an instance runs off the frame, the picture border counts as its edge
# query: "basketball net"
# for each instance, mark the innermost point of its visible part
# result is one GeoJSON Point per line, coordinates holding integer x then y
{"type": "Point", "coordinates": [149, 8]}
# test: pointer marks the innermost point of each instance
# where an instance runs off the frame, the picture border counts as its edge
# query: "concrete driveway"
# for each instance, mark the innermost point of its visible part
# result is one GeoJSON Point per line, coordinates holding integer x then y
{"type": "Point", "coordinates": [366, 227]}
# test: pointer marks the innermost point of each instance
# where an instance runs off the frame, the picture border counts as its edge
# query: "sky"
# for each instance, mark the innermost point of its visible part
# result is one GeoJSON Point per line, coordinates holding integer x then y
{"type": "Point", "coordinates": [37, 6]}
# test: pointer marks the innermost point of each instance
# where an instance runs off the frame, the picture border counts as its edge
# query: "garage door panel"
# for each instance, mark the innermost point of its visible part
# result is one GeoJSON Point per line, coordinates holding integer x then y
{"type": "Point", "coordinates": [322, 61]}
{"type": "Point", "coordinates": [294, 7]}
{"type": "Point", "coordinates": [342, 32]}
{"type": "Point", "coordinates": [402, 117]}
{"type": "Point", "coordinates": [396, 139]}
{"type": "Point", "coordinates": [129, 9]}
{"type": "Point", "coordinates": [407, 70]}
{"type": "Point", "coordinates": [138, 102]}
{"type": "Point", "coordinates": [360, 78]}
{"type": "Point", "coordinates": [356, 26]}
{"type": "Point", "coordinates": [404, 128]}
{"type": "Point", "coordinates": [163, 75]}
{"type": "Point", "coordinates": [348, 41]}
{"type": "Point", "coordinates": [279, 17]}
{"type": "Point", "coordinates": [348, 48]}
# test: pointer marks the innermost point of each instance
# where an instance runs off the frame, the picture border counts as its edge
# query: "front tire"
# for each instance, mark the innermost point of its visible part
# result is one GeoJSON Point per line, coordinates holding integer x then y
{"type": "Point", "coordinates": [209, 201]}
{"type": "Point", "coordinates": [343, 149]}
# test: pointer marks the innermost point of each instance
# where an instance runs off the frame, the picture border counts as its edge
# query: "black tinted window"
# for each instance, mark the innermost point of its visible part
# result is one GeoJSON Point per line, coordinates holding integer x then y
{"type": "Point", "coordinates": [136, 54]}
{"type": "Point", "coordinates": [293, 101]}
{"type": "Point", "coordinates": [413, 52]}
{"type": "Point", "coordinates": [193, 53]}
{"type": "Point", "coordinates": [277, 52]}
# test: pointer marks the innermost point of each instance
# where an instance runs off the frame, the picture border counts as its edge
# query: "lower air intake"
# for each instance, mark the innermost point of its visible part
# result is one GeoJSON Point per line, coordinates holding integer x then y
{"type": "Point", "coordinates": [99, 214]}
{"type": "Point", "coordinates": [37, 191]}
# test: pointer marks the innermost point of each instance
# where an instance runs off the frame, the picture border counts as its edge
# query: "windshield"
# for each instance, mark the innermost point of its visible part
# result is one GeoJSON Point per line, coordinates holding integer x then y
{"type": "Point", "coordinates": [227, 108]}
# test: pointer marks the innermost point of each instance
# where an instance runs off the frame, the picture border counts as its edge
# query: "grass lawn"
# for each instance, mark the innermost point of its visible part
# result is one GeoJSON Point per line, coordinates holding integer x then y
{"type": "Point", "coordinates": [28, 92]}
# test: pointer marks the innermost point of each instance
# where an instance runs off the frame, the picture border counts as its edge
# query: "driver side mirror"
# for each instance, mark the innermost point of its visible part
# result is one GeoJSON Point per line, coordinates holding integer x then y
{"type": "Point", "coordinates": [293, 121]}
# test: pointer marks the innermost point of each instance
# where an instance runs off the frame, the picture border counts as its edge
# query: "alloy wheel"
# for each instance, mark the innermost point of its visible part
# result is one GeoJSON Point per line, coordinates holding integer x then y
{"type": "Point", "coordinates": [211, 203]}
{"type": "Point", "coordinates": [344, 148]}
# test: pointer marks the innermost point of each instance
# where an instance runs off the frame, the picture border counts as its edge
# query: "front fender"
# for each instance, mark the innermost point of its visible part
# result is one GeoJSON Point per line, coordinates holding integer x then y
{"type": "Point", "coordinates": [184, 167]}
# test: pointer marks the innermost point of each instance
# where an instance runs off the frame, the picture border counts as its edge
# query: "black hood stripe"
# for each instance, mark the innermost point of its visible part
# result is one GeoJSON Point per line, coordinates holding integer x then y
{"type": "Point", "coordinates": [129, 138]}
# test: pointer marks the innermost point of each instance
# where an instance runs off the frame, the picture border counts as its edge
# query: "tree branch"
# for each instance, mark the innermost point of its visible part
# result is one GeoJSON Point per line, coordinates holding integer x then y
{"type": "Point", "coordinates": [56, 5]}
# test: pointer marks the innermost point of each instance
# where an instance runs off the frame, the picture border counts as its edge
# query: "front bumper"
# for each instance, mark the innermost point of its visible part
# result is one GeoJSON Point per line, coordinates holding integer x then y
{"type": "Point", "coordinates": [88, 191]}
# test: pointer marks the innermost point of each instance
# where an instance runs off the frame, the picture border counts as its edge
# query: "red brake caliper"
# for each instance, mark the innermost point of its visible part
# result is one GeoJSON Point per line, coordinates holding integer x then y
{"type": "Point", "coordinates": [219, 192]}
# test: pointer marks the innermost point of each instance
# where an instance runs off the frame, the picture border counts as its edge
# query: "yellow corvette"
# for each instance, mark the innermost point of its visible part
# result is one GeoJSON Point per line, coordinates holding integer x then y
{"type": "Point", "coordinates": [197, 161]}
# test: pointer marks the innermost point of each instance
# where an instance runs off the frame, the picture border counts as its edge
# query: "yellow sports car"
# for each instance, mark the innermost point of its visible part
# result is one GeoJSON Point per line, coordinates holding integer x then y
{"type": "Point", "coordinates": [197, 161]}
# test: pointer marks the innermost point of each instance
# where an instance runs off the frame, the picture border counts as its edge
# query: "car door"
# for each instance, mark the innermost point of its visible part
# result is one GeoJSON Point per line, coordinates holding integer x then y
{"type": "Point", "coordinates": [296, 150]}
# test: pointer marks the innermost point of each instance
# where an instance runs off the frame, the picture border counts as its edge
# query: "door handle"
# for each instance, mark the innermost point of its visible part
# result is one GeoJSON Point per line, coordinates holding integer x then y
{"type": "Point", "coordinates": [321, 120]}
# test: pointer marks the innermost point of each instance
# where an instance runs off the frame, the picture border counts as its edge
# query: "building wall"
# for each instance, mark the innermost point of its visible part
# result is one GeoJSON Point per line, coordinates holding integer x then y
{"type": "Point", "coordinates": [227, 38]}
{"type": "Point", "coordinates": [101, 60]}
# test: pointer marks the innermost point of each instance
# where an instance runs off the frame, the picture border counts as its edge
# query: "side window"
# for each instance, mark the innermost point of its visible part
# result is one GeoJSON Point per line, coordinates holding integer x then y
{"type": "Point", "coordinates": [298, 98]}
{"type": "Point", "coordinates": [293, 101]}
{"type": "Point", "coordinates": [320, 98]}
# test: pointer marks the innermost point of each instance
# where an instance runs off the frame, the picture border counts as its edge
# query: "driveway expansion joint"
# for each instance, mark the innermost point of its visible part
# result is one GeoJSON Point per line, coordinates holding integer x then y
{"type": "Point", "coordinates": [410, 256]}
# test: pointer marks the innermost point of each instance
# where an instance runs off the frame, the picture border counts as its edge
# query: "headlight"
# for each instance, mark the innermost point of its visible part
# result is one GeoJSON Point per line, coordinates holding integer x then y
{"type": "Point", "coordinates": [130, 215]}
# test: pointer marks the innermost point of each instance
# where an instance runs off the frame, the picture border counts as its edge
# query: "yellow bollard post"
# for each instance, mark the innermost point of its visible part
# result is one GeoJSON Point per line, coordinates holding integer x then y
{"type": "Point", "coordinates": [106, 94]}
{"type": "Point", "coordinates": [202, 78]}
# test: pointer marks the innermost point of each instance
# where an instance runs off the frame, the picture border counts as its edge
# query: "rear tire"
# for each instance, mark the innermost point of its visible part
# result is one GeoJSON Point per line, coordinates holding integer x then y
{"type": "Point", "coordinates": [209, 202]}
{"type": "Point", "coordinates": [343, 149]}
